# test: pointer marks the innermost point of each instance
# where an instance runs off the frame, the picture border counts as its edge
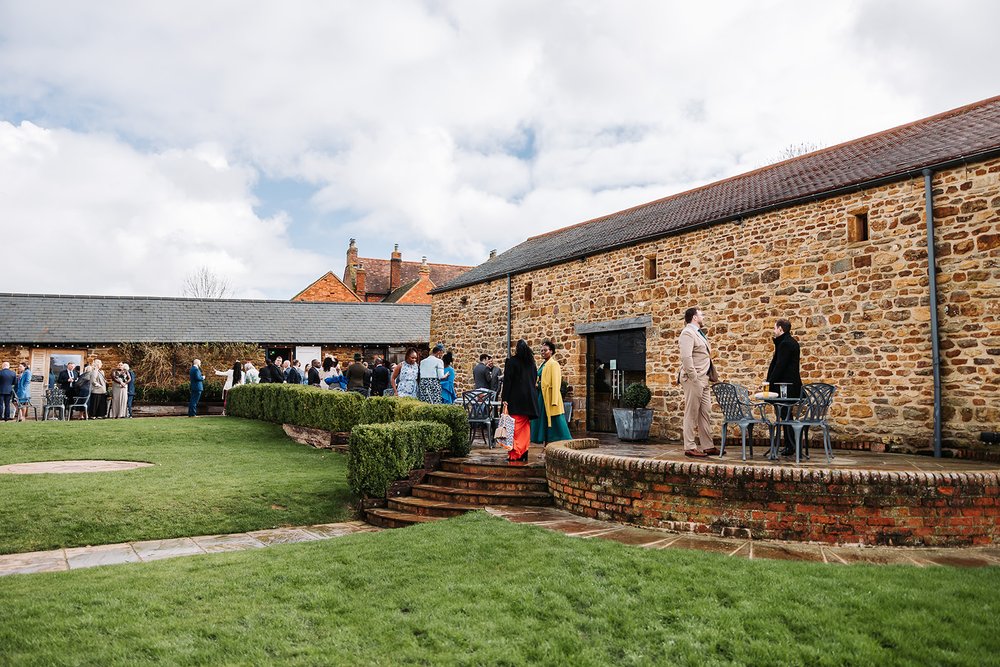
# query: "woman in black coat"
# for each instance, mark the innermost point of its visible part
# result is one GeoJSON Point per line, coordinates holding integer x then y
{"type": "Point", "coordinates": [519, 378]}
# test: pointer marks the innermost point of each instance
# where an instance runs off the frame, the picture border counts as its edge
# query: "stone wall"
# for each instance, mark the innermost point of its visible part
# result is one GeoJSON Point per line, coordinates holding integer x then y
{"type": "Point", "coordinates": [860, 310]}
{"type": "Point", "coordinates": [832, 506]}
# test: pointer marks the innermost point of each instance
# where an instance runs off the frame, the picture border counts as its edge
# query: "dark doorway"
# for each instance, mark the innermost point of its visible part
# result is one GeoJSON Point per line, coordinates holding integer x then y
{"type": "Point", "coordinates": [283, 352]}
{"type": "Point", "coordinates": [614, 361]}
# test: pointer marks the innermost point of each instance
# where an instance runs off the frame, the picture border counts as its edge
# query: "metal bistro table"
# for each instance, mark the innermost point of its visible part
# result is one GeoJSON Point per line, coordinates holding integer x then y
{"type": "Point", "coordinates": [778, 402]}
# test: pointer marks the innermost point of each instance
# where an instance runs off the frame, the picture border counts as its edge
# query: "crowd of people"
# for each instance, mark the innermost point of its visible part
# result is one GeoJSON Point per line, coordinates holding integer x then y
{"type": "Point", "coordinates": [88, 387]}
{"type": "Point", "coordinates": [431, 380]}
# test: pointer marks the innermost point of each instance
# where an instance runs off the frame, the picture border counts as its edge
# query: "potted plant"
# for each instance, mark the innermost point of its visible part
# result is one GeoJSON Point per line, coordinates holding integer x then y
{"type": "Point", "coordinates": [633, 421]}
{"type": "Point", "coordinates": [567, 394]}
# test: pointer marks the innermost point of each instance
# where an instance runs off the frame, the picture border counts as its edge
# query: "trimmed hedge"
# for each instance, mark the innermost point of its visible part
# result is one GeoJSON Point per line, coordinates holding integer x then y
{"type": "Point", "coordinates": [178, 394]}
{"type": "Point", "coordinates": [342, 411]}
{"type": "Point", "coordinates": [296, 404]}
{"type": "Point", "coordinates": [379, 454]}
{"type": "Point", "coordinates": [452, 416]}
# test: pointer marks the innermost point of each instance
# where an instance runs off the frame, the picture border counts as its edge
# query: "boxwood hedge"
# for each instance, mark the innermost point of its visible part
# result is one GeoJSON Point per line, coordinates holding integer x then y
{"type": "Point", "coordinates": [378, 454]}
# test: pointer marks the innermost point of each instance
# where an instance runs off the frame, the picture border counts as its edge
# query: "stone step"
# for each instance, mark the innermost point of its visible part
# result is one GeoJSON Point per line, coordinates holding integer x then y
{"type": "Point", "coordinates": [479, 497]}
{"type": "Point", "coordinates": [425, 507]}
{"type": "Point", "coordinates": [498, 469]}
{"type": "Point", "coordinates": [387, 518]}
{"type": "Point", "coordinates": [458, 480]}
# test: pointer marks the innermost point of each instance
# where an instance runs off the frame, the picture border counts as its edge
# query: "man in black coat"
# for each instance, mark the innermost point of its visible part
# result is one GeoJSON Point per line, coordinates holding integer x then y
{"type": "Point", "coordinates": [784, 368]}
{"type": "Point", "coordinates": [271, 373]}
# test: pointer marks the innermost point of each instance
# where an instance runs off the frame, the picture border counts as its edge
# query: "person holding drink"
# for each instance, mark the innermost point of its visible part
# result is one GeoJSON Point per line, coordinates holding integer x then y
{"type": "Point", "coordinates": [784, 370]}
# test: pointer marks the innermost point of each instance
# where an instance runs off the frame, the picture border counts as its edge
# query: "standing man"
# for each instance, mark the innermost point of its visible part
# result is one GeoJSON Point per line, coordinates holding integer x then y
{"type": "Point", "coordinates": [197, 386]}
{"type": "Point", "coordinates": [8, 379]}
{"type": "Point", "coordinates": [131, 390]}
{"type": "Point", "coordinates": [696, 374]}
{"type": "Point", "coordinates": [67, 381]}
{"type": "Point", "coordinates": [481, 373]}
{"type": "Point", "coordinates": [784, 368]}
{"type": "Point", "coordinates": [357, 374]}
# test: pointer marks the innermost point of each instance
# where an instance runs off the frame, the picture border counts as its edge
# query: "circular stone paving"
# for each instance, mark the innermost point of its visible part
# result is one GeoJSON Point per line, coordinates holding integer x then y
{"type": "Point", "coordinates": [40, 467]}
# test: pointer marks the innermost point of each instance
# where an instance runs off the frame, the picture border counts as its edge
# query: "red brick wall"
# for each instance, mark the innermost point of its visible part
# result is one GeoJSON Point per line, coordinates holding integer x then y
{"type": "Point", "coordinates": [328, 289]}
{"type": "Point", "coordinates": [832, 506]}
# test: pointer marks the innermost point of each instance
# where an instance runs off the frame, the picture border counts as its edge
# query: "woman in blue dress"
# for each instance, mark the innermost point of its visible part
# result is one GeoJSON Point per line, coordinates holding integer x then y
{"type": "Point", "coordinates": [23, 391]}
{"type": "Point", "coordinates": [448, 381]}
{"type": "Point", "coordinates": [404, 378]}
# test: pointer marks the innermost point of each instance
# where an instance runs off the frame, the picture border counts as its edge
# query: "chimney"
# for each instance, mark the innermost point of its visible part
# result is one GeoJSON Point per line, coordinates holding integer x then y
{"type": "Point", "coordinates": [359, 281]}
{"type": "Point", "coordinates": [352, 256]}
{"type": "Point", "coordinates": [395, 269]}
{"type": "Point", "coordinates": [493, 253]}
{"type": "Point", "coordinates": [424, 269]}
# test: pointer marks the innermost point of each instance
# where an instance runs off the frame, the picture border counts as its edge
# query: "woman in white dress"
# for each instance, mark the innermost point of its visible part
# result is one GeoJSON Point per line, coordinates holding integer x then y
{"type": "Point", "coordinates": [404, 377]}
{"type": "Point", "coordinates": [234, 378]}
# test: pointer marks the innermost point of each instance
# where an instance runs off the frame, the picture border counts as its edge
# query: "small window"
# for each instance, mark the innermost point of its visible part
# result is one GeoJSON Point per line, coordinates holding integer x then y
{"type": "Point", "coordinates": [651, 267]}
{"type": "Point", "coordinates": [857, 227]}
{"type": "Point", "coordinates": [527, 292]}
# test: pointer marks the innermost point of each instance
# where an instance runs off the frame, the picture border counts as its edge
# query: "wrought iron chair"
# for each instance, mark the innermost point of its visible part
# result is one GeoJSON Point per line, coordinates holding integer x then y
{"type": "Point", "coordinates": [738, 410]}
{"type": "Point", "coordinates": [81, 402]}
{"type": "Point", "coordinates": [811, 410]}
{"type": "Point", "coordinates": [24, 405]}
{"type": "Point", "coordinates": [55, 402]}
{"type": "Point", "coordinates": [478, 405]}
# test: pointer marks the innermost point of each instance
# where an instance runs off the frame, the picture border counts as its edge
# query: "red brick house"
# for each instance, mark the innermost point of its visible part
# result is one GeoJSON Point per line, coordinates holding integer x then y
{"type": "Point", "coordinates": [367, 279]}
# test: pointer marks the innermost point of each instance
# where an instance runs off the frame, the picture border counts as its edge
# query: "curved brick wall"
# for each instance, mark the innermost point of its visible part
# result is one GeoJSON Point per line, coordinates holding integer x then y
{"type": "Point", "coordinates": [833, 506]}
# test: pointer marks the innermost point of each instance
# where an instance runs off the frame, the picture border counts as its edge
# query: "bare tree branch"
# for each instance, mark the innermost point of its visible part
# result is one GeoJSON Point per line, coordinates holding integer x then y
{"type": "Point", "coordinates": [206, 284]}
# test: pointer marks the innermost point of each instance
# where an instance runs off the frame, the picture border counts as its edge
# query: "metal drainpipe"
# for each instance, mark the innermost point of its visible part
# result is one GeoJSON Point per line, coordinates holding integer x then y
{"type": "Point", "coordinates": [508, 314]}
{"type": "Point", "coordinates": [932, 277]}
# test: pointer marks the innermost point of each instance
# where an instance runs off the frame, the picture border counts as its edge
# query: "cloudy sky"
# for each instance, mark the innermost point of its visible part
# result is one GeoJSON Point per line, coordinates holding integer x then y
{"type": "Point", "coordinates": [140, 141]}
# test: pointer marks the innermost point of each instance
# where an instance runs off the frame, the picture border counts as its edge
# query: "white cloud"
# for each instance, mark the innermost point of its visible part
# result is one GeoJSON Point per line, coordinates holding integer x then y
{"type": "Point", "coordinates": [91, 214]}
{"type": "Point", "coordinates": [453, 127]}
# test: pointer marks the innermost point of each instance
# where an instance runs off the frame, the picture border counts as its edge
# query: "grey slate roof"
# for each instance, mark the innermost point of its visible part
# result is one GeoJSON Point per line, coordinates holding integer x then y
{"type": "Point", "coordinates": [894, 154]}
{"type": "Point", "coordinates": [57, 319]}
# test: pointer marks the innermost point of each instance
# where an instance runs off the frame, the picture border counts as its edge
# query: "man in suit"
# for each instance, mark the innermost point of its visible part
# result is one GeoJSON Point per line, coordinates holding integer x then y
{"type": "Point", "coordinates": [8, 379]}
{"type": "Point", "coordinates": [131, 390]}
{"type": "Point", "coordinates": [67, 381]}
{"type": "Point", "coordinates": [481, 373]}
{"type": "Point", "coordinates": [197, 386]}
{"type": "Point", "coordinates": [357, 374]}
{"type": "Point", "coordinates": [784, 368]}
{"type": "Point", "coordinates": [696, 374]}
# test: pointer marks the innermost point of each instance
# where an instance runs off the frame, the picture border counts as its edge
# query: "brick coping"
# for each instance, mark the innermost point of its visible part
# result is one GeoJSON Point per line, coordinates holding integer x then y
{"type": "Point", "coordinates": [572, 450]}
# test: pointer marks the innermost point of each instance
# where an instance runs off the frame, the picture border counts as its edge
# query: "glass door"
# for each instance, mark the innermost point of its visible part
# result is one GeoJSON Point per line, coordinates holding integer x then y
{"type": "Point", "coordinates": [614, 361]}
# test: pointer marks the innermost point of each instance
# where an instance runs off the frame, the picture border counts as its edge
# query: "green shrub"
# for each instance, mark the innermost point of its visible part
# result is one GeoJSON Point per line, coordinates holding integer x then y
{"type": "Point", "coordinates": [385, 409]}
{"type": "Point", "coordinates": [378, 454]}
{"type": "Point", "coordinates": [452, 416]}
{"type": "Point", "coordinates": [178, 394]}
{"type": "Point", "coordinates": [296, 404]}
{"type": "Point", "coordinates": [636, 396]}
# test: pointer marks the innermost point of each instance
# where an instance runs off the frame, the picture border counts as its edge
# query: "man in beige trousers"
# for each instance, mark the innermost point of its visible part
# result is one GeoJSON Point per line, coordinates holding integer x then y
{"type": "Point", "coordinates": [696, 374]}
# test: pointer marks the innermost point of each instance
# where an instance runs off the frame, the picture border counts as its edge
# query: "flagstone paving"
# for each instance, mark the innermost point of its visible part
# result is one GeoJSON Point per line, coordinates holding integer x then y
{"type": "Point", "coordinates": [549, 518]}
{"type": "Point", "coordinates": [149, 550]}
{"type": "Point", "coordinates": [647, 538]}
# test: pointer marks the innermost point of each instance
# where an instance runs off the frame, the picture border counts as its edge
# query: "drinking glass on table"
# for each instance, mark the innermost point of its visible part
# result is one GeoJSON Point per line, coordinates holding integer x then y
{"type": "Point", "coordinates": [783, 390]}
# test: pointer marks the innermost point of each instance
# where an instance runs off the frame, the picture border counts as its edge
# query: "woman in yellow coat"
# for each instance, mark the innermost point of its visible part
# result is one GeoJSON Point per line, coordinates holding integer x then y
{"type": "Point", "coordinates": [550, 425]}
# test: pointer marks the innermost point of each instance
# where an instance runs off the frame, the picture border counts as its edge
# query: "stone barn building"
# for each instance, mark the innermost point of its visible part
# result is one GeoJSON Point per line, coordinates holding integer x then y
{"type": "Point", "coordinates": [835, 240]}
{"type": "Point", "coordinates": [159, 337]}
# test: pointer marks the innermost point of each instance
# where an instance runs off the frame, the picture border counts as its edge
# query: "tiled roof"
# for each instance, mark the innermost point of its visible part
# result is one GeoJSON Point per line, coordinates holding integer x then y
{"type": "Point", "coordinates": [969, 131]}
{"type": "Point", "coordinates": [398, 293]}
{"type": "Point", "coordinates": [54, 319]}
{"type": "Point", "coordinates": [377, 273]}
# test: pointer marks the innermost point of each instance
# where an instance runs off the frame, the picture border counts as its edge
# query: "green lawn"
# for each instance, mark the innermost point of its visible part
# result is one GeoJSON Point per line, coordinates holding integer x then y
{"type": "Point", "coordinates": [479, 590]}
{"type": "Point", "coordinates": [212, 475]}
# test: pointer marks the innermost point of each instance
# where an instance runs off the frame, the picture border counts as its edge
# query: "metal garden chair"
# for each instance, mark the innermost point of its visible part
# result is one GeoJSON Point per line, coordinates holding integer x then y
{"type": "Point", "coordinates": [478, 405]}
{"type": "Point", "coordinates": [55, 402]}
{"type": "Point", "coordinates": [738, 410]}
{"type": "Point", "coordinates": [79, 403]}
{"type": "Point", "coordinates": [811, 411]}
